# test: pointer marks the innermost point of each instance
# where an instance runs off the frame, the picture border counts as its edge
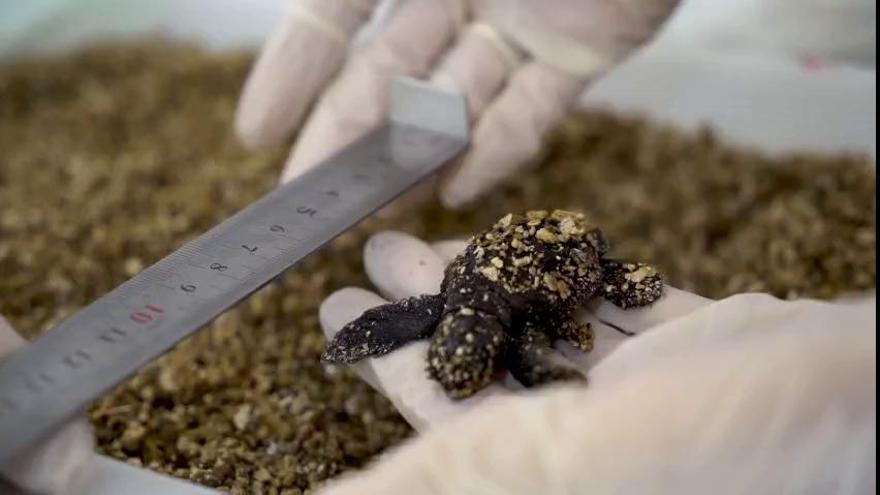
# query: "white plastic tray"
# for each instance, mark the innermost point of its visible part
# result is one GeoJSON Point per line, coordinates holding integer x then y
{"type": "Point", "coordinates": [754, 92]}
{"type": "Point", "coordinates": [771, 104]}
{"type": "Point", "coordinates": [768, 102]}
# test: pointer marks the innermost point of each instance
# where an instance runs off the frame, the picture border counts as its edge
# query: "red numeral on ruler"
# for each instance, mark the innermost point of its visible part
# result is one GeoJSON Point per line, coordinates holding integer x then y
{"type": "Point", "coordinates": [147, 314]}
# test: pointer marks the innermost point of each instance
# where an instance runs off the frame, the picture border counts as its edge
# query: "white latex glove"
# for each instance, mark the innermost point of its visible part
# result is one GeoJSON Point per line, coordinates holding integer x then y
{"type": "Point", "coordinates": [745, 395]}
{"type": "Point", "coordinates": [521, 64]}
{"type": "Point", "coordinates": [54, 465]}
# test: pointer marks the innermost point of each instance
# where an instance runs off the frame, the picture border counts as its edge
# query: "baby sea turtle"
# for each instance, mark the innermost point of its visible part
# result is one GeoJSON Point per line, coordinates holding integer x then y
{"type": "Point", "coordinates": [503, 302]}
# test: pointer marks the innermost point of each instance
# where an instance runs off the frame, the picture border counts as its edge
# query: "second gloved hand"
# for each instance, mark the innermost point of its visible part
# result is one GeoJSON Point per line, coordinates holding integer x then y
{"type": "Point", "coordinates": [521, 65]}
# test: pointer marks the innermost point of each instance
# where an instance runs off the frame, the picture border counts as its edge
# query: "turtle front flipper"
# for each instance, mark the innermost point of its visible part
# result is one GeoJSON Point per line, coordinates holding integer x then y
{"type": "Point", "coordinates": [385, 328]}
{"type": "Point", "coordinates": [533, 362]}
{"type": "Point", "coordinates": [629, 284]}
{"type": "Point", "coordinates": [465, 351]}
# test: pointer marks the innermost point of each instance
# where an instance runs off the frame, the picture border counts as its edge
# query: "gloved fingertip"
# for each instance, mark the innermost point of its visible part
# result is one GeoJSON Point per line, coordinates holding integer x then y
{"type": "Point", "coordinates": [451, 199]}
{"type": "Point", "coordinates": [287, 175]}
{"type": "Point", "coordinates": [308, 152]}
{"type": "Point", "coordinates": [9, 338]}
{"type": "Point", "coordinates": [55, 465]}
{"type": "Point", "coordinates": [293, 166]}
{"type": "Point", "coordinates": [400, 265]}
{"type": "Point", "coordinates": [76, 455]}
{"type": "Point", "coordinates": [343, 306]}
{"type": "Point", "coordinates": [469, 181]}
{"type": "Point", "coordinates": [386, 241]}
{"type": "Point", "coordinates": [253, 134]}
{"type": "Point", "coordinates": [448, 250]}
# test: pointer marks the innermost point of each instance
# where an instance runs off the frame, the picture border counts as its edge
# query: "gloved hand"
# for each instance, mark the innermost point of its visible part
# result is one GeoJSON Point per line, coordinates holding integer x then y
{"type": "Point", "coordinates": [54, 465]}
{"type": "Point", "coordinates": [745, 395]}
{"type": "Point", "coordinates": [521, 64]}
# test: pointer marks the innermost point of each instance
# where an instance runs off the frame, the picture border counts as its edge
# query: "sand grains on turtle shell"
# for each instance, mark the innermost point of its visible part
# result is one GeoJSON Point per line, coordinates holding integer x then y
{"type": "Point", "coordinates": [505, 300]}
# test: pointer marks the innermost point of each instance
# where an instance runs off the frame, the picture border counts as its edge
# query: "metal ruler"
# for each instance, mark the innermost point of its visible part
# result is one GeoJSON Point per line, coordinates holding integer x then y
{"type": "Point", "coordinates": [57, 376]}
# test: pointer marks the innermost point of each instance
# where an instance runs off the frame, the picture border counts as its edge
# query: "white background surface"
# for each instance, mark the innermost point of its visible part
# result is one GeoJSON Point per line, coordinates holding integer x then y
{"type": "Point", "coordinates": [733, 64]}
{"type": "Point", "coordinates": [842, 29]}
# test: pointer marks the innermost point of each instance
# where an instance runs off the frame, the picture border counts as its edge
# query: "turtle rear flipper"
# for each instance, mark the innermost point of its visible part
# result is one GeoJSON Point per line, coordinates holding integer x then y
{"type": "Point", "coordinates": [533, 362]}
{"type": "Point", "coordinates": [385, 328]}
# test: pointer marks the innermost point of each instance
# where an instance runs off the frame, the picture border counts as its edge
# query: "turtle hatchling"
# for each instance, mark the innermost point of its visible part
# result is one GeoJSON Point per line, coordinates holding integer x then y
{"type": "Point", "coordinates": [503, 302]}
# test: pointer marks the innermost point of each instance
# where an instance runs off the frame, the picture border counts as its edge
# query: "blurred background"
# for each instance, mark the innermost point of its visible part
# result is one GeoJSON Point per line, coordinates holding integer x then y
{"type": "Point", "coordinates": [709, 48]}
{"type": "Point", "coordinates": [839, 30]}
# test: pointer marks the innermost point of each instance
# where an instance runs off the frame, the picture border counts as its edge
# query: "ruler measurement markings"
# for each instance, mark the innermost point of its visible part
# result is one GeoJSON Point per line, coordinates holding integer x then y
{"type": "Point", "coordinates": [241, 253]}
{"type": "Point", "coordinates": [143, 317]}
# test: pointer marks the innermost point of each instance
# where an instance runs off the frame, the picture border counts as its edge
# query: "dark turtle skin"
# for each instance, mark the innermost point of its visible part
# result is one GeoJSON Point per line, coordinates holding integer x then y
{"type": "Point", "coordinates": [503, 302]}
